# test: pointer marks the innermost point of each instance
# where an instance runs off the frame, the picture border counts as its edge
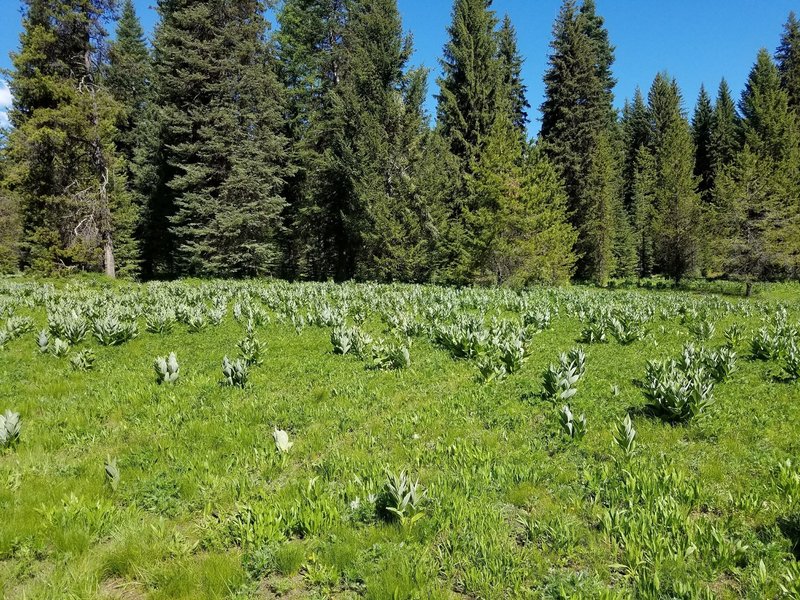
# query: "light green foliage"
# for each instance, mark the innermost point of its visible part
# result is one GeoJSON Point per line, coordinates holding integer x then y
{"type": "Point", "coordinates": [574, 427]}
{"type": "Point", "coordinates": [112, 473]}
{"type": "Point", "coordinates": [167, 369]}
{"type": "Point", "coordinates": [281, 486]}
{"type": "Point", "coordinates": [83, 360]}
{"type": "Point", "coordinates": [235, 373]}
{"type": "Point", "coordinates": [10, 427]}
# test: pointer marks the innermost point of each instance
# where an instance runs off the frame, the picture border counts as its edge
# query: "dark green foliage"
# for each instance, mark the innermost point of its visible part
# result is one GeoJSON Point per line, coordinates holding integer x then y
{"type": "Point", "coordinates": [726, 131]}
{"type": "Point", "coordinates": [470, 88]}
{"type": "Point", "coordinates": [788, 58]}
{"type": "Point", "coordinates": [223, 160]}
{"type": "Point", "coordinates": [635, 127]}
{"type": "Point", "coordinates": [516, 220]}
{"type": "Point", "coordinates": [511, 74]}
{"type": "Point", "coordinates": [63, 165]}
{"type": "Point", "coordinates": [576, 115]}
{"type": "Point", "coordinates": [702, 127]}
{"type": "Point", "coordinates": [677, 217]}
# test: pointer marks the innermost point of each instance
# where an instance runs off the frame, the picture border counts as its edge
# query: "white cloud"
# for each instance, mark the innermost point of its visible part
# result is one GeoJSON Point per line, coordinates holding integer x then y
{"type": "Point", "coordinates": [5, 103]}
{"type": "Point", "coordinates": [5, 95]}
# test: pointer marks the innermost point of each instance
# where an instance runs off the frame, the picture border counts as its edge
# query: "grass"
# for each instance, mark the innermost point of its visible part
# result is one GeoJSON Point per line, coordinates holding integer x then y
{"type": "Point", "coordinates": [510, 506]}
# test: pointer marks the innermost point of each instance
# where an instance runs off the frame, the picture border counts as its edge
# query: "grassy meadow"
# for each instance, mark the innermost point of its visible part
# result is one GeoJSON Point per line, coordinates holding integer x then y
{"type": "Point", "coordinates": [427, 451]}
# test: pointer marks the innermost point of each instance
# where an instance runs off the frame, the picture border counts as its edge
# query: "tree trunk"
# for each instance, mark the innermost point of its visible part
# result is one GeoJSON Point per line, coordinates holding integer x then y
{"type": "Point", "coordinates": [748, 290]}
{"type": "Point", "coordinates": [110, 264]}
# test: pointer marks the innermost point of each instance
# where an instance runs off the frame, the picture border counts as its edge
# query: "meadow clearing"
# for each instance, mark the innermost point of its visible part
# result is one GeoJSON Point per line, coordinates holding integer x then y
{"type": "Point", "coordinates": [347, 441]}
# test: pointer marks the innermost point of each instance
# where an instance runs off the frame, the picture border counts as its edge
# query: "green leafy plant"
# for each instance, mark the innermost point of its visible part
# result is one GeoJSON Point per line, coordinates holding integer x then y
{"type": "Point", "coordinates": [734, 335]}
{"type": "Point", "coordinates": [235, 374]}
{"type": "Point", "coordinates": [575, 428]}
{"type": "Point", "coordinates": [625, 436]}
{"type": "Point", "coordinates": [390, 356]}
{"type": "Point", "coordinates": [83, 360]}
{"type": "Point", "coordinates": [112, 473]}
{"type": "Point", "coordinates": [160, 320]}
{"type": "Point", "coordinates": [43, 341]}
{"type": "Point", "coordinates": [282, 443]}
{"type": "Point", "coordinates": [702, 329]}
{"type": "Point", "coordinates": [251, 350]}
{"type": "Point", "coordinates": [111, 331]}
{"type": "Point", "coordinates": [167, 369]}
{"type": "Point", "coordinates": [59, 348]}
{"type": "Point", "coordinates": [675, 395]}
{"type": "Point", "coordinates": [10, 429]}
{"type": "Point", "coordinates": [402, 499]}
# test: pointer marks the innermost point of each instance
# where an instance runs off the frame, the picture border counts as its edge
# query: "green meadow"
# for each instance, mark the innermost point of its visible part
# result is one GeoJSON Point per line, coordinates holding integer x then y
{"type": "Point", "coordinates": [397, 441]}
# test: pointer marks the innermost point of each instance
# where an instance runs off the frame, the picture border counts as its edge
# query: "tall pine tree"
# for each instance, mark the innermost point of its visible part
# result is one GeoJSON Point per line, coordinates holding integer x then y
{"type": "Point", "coordinates": [788, 58]}
{"type": "Point", "coordinates": [576, 115]}
{"type": "Point", "coordinates": [511, 75]}
{"type": "Point", "coordinates": [677, 226]}
{"type": "Point", "coordinates": [224, 160]}
{"type": "Point", "coordinates": [702, 126]}
{"type": "Point", "coordinates": [64, 166]}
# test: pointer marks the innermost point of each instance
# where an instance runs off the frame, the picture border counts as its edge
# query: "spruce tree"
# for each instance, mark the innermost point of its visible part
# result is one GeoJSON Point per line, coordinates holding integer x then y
{"type": "Point", "coordinates": [470, 87]}
{"type": "Point", "coordinates": [702, 126]}
{"type": "Point", "coordinates": [757, 195]}
{"type": "Point", "coordinates": [518, 228]}
{"type": "Point", "coordinates": [312, 58]}
{"type": "Point", "coordinates": [635, 135]}
{"type": "Point", "coordinates": [643, 210]}
{"type": "Point", "coordinates": [726, 131]}
{"type": "Point", "coordinates": [788, 58]}
{"type": "Point", "coordinates": [389, 224]}
{"type": "Point", "coordinates": [224, 160]}
{"type": "Point", "coordinates": [577, 113]}
{"type": "Point", "coordinates": [63, 164]}
{"type": "Point", "coordinates": [511, 78]}
{"type": "Point", "coordinates": [677, 215]}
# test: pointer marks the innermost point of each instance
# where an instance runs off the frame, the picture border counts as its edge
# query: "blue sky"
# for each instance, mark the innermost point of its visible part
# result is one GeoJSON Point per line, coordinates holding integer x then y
{"type": "Point", "coordinates": [696, 41]}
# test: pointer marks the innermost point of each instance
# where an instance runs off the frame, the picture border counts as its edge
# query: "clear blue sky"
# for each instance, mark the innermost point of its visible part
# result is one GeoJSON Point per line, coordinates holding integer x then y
{"type": "Point", "coordinates": [696, 41]}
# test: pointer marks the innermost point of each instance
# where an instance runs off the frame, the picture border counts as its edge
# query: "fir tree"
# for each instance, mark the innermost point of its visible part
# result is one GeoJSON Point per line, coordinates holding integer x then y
{"type": "Point", "coordinates": [643, 210]}
{"type": "Point", "coordinates": [677, 215]}
{"type": "Point", "coordinates": [577, 113]}
{"type": "Point", "coordinates": [312, 58]}
{"type": "Point", "coordinates": [702, 127]}
{"type": "Point", "coordinates": [469, 90]}
{"type": "Point", "coordinates": [64, 168]}
{"type": "Point", "coordinates": [511, 79]}
{"type": "Point", "coordinates": [757, 196]}
{"type": "Point", "coordinates": [726, 133]}
{"type": "Point", "coordinates": [518, 228]}
{"type": "Point", "coordinates": [224, 160]}
{"type": "Point", "coordinates": [788, 58]}
{"type": "Point", "coordinates": [635, 135]}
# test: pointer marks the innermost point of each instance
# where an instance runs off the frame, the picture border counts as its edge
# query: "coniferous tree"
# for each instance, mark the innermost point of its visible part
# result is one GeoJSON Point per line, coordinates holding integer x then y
{"type": "Point", "coordinates": [577, 113]}
{"type": "Point", "coordinates": [312, 58]}
{"type": "Point", "coordinates": [757, 193]}
{"type": "Point", "coordinates": [702, 127]}
{"type": "Point", "coordinates": [470, 88]}
{"type": "Point", "coordinates": [788, 58]}
{"type": "Point", "coordinates": [635, 135]}
{"type": "Point", "coordinates": [511, 78]}
{"type": "Point", "coordinates": [11, 232]}
{"type": "Point", "coordinates": [519, 233]}
{"type": "Point", "coordinates": [389, 223]}
{"type": "Point", "coordinates": [643, 210]}
{"type": "Point", "coordinates": [224, 160]}
{"type": "Point", "coordinates": [63, 165]}
{"type": "Point", "coordinates": [677, 216]}
{"type": "Point", "coordinates": [726, 131]}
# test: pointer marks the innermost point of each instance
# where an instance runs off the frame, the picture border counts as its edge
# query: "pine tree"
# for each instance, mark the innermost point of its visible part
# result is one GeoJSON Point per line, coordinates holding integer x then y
{"type": "Point", "coordinates": [702, 126]}
{"type": "Point", "coordinates": [224, 160]}
{"type": "Point", "coordinates": [757, 194]}
{"type": "Point", "coordinates": [11, 231]}
{"type": "Point", "coordinates": [643, 210]}
{"type": "Point", "coordinates": [312, 57]}
{"type": "Point", "coordinates": [469, 90]}
{"type": "Point", "coordinates": [577, 113]}
{"type": "Point", "coordinates": [677, 216]}
{"type": "Point", "coordinates": [518, 228]}
{"type": "Point", "coordinates": [726, 132]}
{"type": "Point", "coordinates": [635, 135]}
{"type": "Point", "coordinates": [788, 58]}
{"type": "Point", "coordinates": [511, 79]}
{"type": "Point", "coordinates": [64, 168]}
{"type": "Point", "coordinates": [388, 222]}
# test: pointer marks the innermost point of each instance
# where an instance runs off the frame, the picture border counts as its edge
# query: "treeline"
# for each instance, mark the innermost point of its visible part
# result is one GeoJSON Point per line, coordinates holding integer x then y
{"type": "Point", "coordinates": [230, 149]}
